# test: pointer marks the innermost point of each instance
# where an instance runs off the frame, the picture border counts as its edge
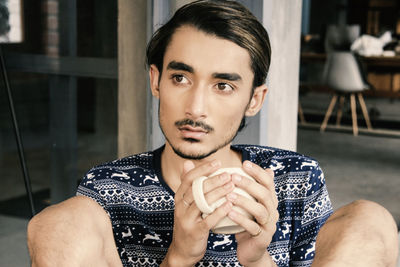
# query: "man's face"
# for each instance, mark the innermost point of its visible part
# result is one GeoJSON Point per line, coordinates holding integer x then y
{"type": "Point", "coordinates": [204, 92]}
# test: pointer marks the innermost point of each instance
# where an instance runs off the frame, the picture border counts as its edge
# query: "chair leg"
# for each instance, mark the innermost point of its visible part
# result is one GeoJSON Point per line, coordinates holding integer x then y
{"type": "Point", "coordinates": [328, 113]}
{"type": "Point", "coordinates": [354, 113]}
{"type": "Point", "coordinates": [301, 115]}
{"type": "Point", "coordinates": [340, 111]}
{"type": "Point", "coordinates": [365, 111]}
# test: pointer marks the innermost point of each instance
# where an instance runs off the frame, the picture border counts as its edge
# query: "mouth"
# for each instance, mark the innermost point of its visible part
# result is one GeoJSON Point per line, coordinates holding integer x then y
{"type": "Point", "coordinates": [192, 129]}
{"type": "Point", "coordinates": [192, 133]}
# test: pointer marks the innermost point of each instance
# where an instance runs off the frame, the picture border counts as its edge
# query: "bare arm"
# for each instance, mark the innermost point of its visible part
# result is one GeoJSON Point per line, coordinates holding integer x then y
{"type": "Point", "coordinates": [76, 232]}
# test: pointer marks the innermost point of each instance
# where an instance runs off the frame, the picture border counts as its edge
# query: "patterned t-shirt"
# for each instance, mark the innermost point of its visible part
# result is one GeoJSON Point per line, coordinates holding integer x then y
{"type": "Point", "coordinates": [141, 207]}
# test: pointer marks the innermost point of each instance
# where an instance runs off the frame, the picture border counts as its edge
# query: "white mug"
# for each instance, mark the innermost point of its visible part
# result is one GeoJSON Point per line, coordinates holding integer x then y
{"type": "Point", "coordinates": [226, 225]}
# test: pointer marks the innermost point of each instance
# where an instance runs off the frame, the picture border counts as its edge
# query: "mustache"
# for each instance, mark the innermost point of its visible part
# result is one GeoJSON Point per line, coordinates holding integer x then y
{"type": "Point", "coordinates": [195, 124]}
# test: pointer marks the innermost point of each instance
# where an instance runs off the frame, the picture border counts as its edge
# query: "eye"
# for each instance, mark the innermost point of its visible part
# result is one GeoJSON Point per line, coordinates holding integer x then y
{"type": "Point", "coordinates": [179, 79]}
{"type": "Point", "coordinates": [224, 87]}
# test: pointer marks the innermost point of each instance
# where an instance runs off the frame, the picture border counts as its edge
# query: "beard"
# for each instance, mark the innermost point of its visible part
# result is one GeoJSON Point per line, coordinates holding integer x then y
{"type": "Point", "coordinates": [199, 155]}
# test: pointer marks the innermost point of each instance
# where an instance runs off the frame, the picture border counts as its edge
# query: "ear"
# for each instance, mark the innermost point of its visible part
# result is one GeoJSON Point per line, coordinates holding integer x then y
{"type": "Point", "coordinates": [256, 100]}
{"type": "Point", "coordinates": [154, 75]}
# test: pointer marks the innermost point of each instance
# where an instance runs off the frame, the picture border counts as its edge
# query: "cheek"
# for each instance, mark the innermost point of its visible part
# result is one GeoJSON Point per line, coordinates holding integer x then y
{"type": "Point", "coordinates": [230, 116]}
{"type": "Point", "coordinates": [168, 108]}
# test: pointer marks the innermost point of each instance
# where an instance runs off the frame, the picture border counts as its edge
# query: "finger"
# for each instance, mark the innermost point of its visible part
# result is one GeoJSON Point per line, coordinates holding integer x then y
{"type": "Point", "coordinates": [186, 202]}
{"type": "Point", "coordinates": [261, 193]}
{"type": "Point", "coordinates": [262, 176]}
{"type": "Point", "coordinates": [216, 181]}
{"type": "Point", "coordinates": [209, 185]}
{"type": "Point", "coordinates": [250, 226]}
{"type": "Point", "coordinates": [192, 211]}
{"type": "Point", "coordinates": [189, 173]}
{"type": "Point", "coordinates": [204, 169]}
{"type": "Point", "coordinates": [219, 193]}
{"type": "Point", "coordinates": [258, 191]}
{"type": "Point", "coordinates": [187, 207]}
{"type": "Point", "coordinates": [214, 218]}
{"type": "Point", "coordinates": [187, 166]}
{"type": "Point", "coordinates": [217, 196]}
{"type": "Point", "coordinates": [261, 213]}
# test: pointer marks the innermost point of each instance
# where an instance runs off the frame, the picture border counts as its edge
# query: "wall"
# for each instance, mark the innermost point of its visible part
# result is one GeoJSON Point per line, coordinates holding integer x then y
{"type": "Point", "coordinates": [132, 78]}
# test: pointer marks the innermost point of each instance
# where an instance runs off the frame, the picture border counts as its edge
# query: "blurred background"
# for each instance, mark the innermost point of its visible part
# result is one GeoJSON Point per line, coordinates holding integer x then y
{"type": "Point", "coordinates": [66, 74]}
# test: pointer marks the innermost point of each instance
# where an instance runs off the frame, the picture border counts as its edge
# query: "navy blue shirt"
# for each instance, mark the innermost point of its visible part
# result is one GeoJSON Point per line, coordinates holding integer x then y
{"type": "Point", "coordinates": [141, 207]}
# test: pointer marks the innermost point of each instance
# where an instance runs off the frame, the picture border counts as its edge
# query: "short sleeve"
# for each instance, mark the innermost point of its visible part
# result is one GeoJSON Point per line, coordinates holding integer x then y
{"type": "Point", "coordinates": [316, 210]}
{"type": "Point", "coordinates": [89, 185]}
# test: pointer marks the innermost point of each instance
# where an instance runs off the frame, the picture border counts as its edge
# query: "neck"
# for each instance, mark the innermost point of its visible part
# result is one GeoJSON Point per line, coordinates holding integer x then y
{"type": "Point", "coordinates": [172, 164]}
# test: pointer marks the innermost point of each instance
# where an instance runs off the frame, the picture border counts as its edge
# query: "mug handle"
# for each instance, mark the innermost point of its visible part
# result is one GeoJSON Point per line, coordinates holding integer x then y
{"type": "Point", "coordinates": [198, 195]}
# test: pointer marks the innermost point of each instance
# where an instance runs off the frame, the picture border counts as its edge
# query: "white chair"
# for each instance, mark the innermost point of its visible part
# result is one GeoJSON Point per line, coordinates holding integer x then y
{"type": "Point", "coordinates": [340, 37]}
{"type": "Point", "coordinates": [343, 74]}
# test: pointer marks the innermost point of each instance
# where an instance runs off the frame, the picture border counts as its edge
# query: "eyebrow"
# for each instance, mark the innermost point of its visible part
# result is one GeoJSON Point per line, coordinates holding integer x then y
{"type": "Point", "coordinates": [227, 76]}
{"type": "Point", "coordinates": [174, 65]}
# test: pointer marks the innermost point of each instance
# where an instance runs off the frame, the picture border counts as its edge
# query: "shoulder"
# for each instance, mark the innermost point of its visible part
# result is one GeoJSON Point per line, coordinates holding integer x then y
{"type": "Point", "coordinates": [297, 176]}
{"type": "Point", "coordinates": [118, 182]}
{"type": "Point", "coordinates": [123, 170]}
{"type": "Point", "coordinates": [74, 212]}
{"type": "Point", "coordinates": [277, 159]}
{"type": "Point", "coordinates": [138, 161]}
{"type": "Point", "coordinates": [71, 219]}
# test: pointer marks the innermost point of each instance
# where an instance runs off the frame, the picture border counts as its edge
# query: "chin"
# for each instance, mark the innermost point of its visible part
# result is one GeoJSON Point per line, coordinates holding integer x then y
{"type": "Point", "coordinates": [192, 150]}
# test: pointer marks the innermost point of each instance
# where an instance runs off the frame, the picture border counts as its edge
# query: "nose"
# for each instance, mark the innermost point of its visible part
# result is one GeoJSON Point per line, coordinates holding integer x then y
{"type": "Point", "coordinates": [196, 102]}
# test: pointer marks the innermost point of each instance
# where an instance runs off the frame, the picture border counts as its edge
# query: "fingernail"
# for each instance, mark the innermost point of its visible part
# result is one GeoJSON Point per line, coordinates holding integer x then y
{"type": "Point", "coordinates": [228, 205]}
{"type": "Point", "coordinates": [215, 163]}
{"type": "Point", "coordinates": [236, 177]}
{"type": "Point", "coordinates": [232, 214]}
{"type": "Point", "coordinates": [247, 164]}
{"type": "Point", "coordinates": [224, 177]}
{"type": "Point", "coordinates": [232, 197]}
{"type": "Point", "coordinates": [228, 185]}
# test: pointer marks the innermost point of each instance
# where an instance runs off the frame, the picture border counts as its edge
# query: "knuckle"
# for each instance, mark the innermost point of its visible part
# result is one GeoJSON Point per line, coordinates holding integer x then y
{"type": "Point", "coordinates": [276, 203]}
{"type": "Point", "coordinates": [186, 176]}
{"type": "Point", "coordinates": [203, 225]}
{"type": "Point", "coordinates": [273, 227]}
{"type": "Point", "coordinates": [275, 215]}
{"type": "Point", "coordinates": [215, 181]}
{"type": "Point", "coordinates": [244, 183]}
{"type": "Point", "coordinates": [263, 219]}
{"type": "Point", "coordinates": [214, 195]}
{"type": "Point", "coordinates": [270, 172]}
{"type": "Point", "coordinates": [221, 211]}
{"type": "Point", "coordinates": [187, 229]}
{"type": "Point", "coordinates": [261, 209]}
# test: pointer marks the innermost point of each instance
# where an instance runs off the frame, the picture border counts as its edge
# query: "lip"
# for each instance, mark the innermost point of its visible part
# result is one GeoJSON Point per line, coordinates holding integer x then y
{"type": "Point", "coordinates": [192, 132]}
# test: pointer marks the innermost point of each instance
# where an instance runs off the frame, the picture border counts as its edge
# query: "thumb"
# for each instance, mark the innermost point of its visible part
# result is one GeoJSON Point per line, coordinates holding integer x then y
{"type": "Point", "coordinates": [187, 166]}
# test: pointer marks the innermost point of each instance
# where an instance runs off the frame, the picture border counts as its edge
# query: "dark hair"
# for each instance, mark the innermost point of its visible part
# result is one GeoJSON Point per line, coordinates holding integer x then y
{"type": "Point", "coordinates": [226, 19]}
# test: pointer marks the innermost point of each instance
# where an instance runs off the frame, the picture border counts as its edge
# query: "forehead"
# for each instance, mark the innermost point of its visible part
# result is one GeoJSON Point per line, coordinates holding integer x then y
{"type": "Point", "coordinates": [207, 53]}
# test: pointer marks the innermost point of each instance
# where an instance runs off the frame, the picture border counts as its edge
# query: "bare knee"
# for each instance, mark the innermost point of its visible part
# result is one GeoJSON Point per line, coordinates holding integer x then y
{"type": "Point", "coordinates": [367, 213]}
{"type": "Point", "coordinates": [369, 223]}
{"type": "Point", "coordinates": [73, 233]}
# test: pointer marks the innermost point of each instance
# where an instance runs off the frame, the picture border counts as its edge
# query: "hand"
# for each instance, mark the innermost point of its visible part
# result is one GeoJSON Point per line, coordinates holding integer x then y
{"type": "Point", "coordinates": [252, 243]}
{"type": "Point", "coordinates": [191, 231]}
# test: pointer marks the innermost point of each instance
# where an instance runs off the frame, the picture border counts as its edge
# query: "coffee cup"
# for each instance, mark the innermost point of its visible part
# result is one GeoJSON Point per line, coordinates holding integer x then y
{"type": "Point", "coordinates": [226, 225]}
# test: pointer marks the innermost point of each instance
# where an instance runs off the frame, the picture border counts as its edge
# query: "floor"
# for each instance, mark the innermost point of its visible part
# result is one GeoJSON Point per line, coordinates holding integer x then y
{"type": "Point", "coordinates": [362, 167]}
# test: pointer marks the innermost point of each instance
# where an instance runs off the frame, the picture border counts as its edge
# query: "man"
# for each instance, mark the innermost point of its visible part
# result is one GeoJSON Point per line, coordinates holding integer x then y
{"type": "Point", "coordinates": [207, 67]}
